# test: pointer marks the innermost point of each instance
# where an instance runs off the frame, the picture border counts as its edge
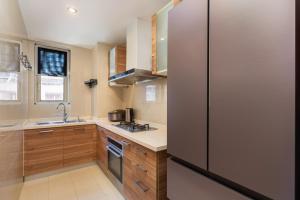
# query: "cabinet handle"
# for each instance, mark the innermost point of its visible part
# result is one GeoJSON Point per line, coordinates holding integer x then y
{"type": "Point", "coordinates": [141, 186]}
{"type": "Point", "coordinates": [46, 131]}
{"type": "Point", "coordinates": [140, 167]}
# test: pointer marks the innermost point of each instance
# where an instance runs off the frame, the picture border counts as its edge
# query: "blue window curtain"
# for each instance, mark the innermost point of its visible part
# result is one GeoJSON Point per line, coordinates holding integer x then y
{"type": "Point", "coordinates": [52, 62]}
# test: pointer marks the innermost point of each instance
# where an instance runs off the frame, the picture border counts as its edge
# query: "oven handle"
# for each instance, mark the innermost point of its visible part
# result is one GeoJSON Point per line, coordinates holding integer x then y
{"type": "Point", "coordinates": [113, 152]}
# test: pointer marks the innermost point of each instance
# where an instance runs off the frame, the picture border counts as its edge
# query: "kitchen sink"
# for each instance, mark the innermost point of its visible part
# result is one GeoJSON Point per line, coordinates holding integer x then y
{"type": "Point", "coordinates": [60, 122]}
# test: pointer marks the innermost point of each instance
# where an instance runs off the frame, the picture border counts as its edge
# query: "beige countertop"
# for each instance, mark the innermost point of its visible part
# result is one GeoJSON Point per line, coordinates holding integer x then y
{"type": "Point", "coordinates": [155, 140]}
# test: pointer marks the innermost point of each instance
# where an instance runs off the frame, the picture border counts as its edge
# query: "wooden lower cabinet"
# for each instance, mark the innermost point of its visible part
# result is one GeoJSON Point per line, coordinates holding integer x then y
{"type": "Point", "coordinates": [101, 149]}
{"type": "Point", "coordinates": [43, 160]}
{"type": "Point", "coordinates": [78, 154]}
{"type": "Point", "coordinates": [55, 148]}
{"type": "Point", "coordinates": [144, 171]}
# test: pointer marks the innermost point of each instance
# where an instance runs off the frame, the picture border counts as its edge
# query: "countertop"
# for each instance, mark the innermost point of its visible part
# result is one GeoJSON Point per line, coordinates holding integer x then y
{"type": "Point", "coordinates": [155, 140]}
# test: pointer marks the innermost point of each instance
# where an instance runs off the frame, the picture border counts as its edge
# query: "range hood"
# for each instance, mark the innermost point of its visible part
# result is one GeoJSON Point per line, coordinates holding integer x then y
{"type": "Point", "coordinates": [138, 55]}
{"type": "Point", "coordinates": [133, 76]}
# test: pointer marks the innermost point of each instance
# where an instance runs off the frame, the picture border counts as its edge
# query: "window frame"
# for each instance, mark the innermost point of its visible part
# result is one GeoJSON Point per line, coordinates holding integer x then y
{"type": "Point", "coordinates": [19, 85]}
{"type": "Point", "coordinates": [37, 77]}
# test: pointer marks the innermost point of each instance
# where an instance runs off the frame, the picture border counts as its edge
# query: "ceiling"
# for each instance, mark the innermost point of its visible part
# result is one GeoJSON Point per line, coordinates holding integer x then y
{"type": "Point", "coordinates": [96, 20]}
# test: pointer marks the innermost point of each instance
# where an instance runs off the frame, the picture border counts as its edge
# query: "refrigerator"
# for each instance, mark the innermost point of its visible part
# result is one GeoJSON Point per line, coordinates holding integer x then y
{"type": "Point", "coordinates": [231, 100]}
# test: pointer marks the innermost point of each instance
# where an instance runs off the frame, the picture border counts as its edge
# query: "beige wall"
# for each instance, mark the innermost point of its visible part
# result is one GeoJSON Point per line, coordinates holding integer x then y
{"type": "Point", "coordinates": [135, 97]}
{"type": "Point", "coordinates": [80, 94]}
{"type": "Point", "coordinates": [11, 21]}
{"type": "Point", "coordinates": [105, 98]}
{"type": "Point", "coordinates": [17, 111]}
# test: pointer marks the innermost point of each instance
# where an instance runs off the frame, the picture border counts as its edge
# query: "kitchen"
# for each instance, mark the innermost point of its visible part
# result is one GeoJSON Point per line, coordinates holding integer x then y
{"type": "Point", "coordinates": [191, 99]}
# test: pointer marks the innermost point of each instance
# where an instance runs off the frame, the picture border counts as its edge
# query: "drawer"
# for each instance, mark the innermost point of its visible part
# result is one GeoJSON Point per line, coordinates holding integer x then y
{"type": "Point", "coordinates": [184, 183]}
{"type": "Point", "coordinates": [43, 160]}
{"type": "Point", "coordinates": [139, 181]}
{"type": "Point", "coordinates": [43, 138]}
{"type": "Point", "coordinates": [135, 189]}
{"type": "Point", "coordinates": [140, 154]}
{"type": "Point", "coordinates": [145, 173]}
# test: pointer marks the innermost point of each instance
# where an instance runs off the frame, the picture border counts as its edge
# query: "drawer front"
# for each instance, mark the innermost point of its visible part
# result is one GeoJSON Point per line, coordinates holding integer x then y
{"type": "Point", "coordinates": [145, 173]}
{"type": "Point", "coordinates": [138, 182]}
{"type": "Point", "coordinates": [184, 183]}
{"type": "Point", "coordinates": [140, 154]}
{"type": "Point", "coordinates": [43, 160]}
{"type": "Point", "coordinates": [42, 139]}
{"type": "Point", "coordinates": [78, 154]}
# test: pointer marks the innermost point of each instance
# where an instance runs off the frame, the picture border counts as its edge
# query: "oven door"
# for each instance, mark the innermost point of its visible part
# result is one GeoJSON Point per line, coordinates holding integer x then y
{"type": "Point", "coordinates": [115, 162]}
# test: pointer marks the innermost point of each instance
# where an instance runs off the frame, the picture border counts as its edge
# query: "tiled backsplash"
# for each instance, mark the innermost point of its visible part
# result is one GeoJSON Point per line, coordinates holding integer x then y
{"type": "Point", "coordinates": [149, 100]}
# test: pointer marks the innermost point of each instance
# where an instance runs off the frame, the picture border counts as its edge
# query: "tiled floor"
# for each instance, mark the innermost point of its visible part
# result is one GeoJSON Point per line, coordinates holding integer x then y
{"type": "Point", "coordinates": [87, 183]}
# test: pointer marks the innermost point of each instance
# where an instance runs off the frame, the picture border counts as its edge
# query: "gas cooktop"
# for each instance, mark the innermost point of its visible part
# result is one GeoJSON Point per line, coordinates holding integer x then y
{"type": "Point", "coordinates": [134, 127]}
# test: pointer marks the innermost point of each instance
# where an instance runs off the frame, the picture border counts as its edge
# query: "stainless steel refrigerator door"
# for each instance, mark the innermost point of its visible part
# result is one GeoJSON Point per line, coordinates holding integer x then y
{"type": "Point", "coordinates": [187, 82]}
{"type": "Point", "coordinates": [184, 183]}
{"type": "Point", "coordinates": [252, 94]}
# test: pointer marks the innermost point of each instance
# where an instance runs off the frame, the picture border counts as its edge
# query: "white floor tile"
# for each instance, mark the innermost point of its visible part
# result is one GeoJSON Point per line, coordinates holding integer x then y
{"type": "Point", "coordinates": [87, 183]}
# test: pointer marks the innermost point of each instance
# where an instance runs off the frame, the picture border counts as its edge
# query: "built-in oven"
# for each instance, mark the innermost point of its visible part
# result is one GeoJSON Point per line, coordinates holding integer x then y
{"type": "Point", "coordinates": [115, 158]}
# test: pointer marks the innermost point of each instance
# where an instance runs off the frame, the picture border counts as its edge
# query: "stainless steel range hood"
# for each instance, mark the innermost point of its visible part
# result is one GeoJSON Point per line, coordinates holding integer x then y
{"type": "Point", "coordinates": [138, 55]}
{"type": "Point", "coordinates": [133, 76]}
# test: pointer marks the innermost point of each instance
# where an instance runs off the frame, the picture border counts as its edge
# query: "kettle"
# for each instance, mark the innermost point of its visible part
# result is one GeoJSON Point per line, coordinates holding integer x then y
{"type": "Point", "coordinates": [129, 115]}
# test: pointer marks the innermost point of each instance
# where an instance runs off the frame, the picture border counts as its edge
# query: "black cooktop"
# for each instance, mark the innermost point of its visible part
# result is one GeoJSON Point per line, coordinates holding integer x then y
{"type": "Point", "coordinates": [134, 127]}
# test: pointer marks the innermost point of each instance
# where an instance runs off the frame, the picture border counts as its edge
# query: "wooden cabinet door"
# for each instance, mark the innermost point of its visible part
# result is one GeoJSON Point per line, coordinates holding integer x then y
{"type": "Point", "coordinates": [43, 150]}
{"type": "Point", "coordinates": [43, 160]}
{"type": "Point", "coordinates": [79, 144]}
{"type": "Point", "coordinates": [78, 154]}
{"type": "Point", "coordinates": [46, 138]}
{"type": "Point", "coordinates": [101, 149]}
{"type": "Point", "coordinates": [55, 148]}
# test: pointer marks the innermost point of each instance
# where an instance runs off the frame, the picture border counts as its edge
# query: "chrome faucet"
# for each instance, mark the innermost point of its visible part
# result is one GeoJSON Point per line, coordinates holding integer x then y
{"type": "Point", "coordinates": [65, 115]}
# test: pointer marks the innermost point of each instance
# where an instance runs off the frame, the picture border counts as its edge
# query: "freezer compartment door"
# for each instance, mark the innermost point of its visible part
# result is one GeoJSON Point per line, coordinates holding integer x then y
{"type": "Point", "coordinates": [183, 183]}
{"type": "Point", "coordinates": [187, 82]}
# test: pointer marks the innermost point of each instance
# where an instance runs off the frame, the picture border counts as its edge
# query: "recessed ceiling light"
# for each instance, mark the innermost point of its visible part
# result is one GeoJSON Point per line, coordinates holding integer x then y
{"type": "Point", "coordinates": [72, 10]}
{"type": "Point", "coordinates": [162, 39]}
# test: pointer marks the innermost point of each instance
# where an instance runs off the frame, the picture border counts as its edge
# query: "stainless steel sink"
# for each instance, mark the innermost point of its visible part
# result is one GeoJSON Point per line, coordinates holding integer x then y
{"type": "Point", "coordinates": [60, 122]}
{"type": "Point", "coordinates": [75, 121]}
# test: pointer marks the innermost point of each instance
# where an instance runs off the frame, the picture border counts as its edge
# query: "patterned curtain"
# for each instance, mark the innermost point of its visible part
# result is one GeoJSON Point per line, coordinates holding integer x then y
{"type": "Point", "coordinates": [9, 56]}
{"type": "Point", "coordinates": [52, 62]}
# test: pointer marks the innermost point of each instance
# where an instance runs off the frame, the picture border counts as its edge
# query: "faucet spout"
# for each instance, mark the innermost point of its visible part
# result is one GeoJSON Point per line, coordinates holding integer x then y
{"type": "Point", "coordinates": [65, 115]}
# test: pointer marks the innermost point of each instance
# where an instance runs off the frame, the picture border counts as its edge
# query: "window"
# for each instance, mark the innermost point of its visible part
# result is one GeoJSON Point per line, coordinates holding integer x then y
{"type": "Point", "coordinates": [150, 93]}
{"type": "Point", "coordinates": [9, 71]}
{"type": "Point", "coordinates": [52, 78]}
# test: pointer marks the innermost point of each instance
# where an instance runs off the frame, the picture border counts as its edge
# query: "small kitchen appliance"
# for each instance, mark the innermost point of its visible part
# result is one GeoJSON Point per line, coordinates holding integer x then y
{"type": "Point", "coordinates": [116, 116]}
{"type": "Point", "coordinates": [129, 115]}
